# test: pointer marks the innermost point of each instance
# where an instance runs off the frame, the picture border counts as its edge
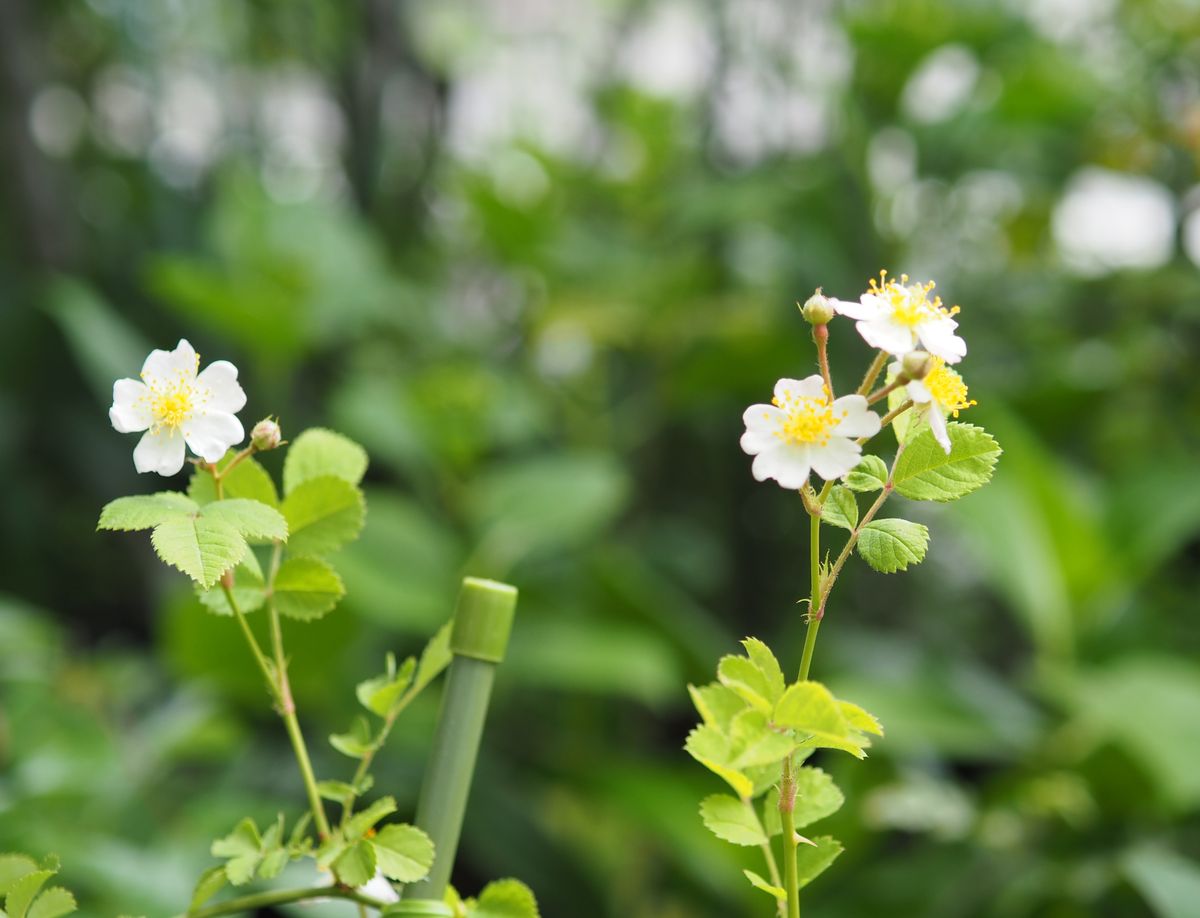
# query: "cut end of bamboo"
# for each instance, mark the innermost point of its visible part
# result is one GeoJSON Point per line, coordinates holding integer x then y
{"type": "Point", "coordinates": [483, 619]}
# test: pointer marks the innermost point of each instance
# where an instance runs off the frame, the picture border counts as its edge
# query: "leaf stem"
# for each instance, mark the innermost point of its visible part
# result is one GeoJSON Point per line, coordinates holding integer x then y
{"type": "Point", "coordinates": [873, 372]}
{"type": "Point", "coordinates": [282, 897]}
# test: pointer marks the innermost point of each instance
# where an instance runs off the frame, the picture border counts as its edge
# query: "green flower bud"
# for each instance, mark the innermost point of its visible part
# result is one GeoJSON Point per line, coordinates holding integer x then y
{"type": "Point", "coordinates": [817, 310]}
{"type": "Point", "coordinates": [266, 435]}
{"type": "Point", "coordinates": [916, 364]}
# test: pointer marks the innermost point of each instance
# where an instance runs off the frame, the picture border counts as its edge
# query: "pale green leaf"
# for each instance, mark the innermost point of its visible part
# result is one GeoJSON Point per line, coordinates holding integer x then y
{"type": "Point", "coordinates": [1167, 880]}
{"type": "Point", "coordinates": [247, 480]}
{"type": "Point", "coordinates": [323, 514]}
{"type": "Point", "coordinates": [892, 545]}
{"type": "Point", "coordinates": [760, 654]}
{"type": "Point", "coordinates": [252, 518]}
{"type": "Point", "coordinates": [708, 746]}
{"type": "Point", "coordinates": [379, 694]}
{"type": "Point", "coordinates": [145, 511]}
{"type": "Point", "coordinates": [755, 741]}
{"type": "Point", "coordinates": [840, 508]}
{"type": "Point", "coordinates": [201, 547]}
{"type": "Point", "coordinates": [816, 796]}
{"type": "Point", "coordinates": [244, 839]}
{"type": "Point", "coordinates": [717, 704]}
{"type": "Point", "coordinates": [434, 658]}
{"type": "Point", "coordinates": [359, 823]}
{"type": "Point", "coordinates": [810, 710]}
{"type": "Point", "coordinates": [298, 841]}
{"type": "Point", "coordinates": [732, 820]}
{"type": "Point", "coordinates": [334, 790]}
{"type": "Point", "coordinates": [54, 902]}
{"type": "Point", "coordinates": [505, 899]}
{"type": "Point", "coordinates": [21, 892]}
{"type": "Point", "coordinates": [356, 865]}
{"type": "Point", "coordinates": [869, 475]}
{"type": "Point", "coordinates": [811, 860]}
{"type": "Point", "coordinates": [306, 588]}
{"type": "Point", "coordinates": [925, 472]}
{"type": "Point", "coordinates": [404, 853]}
{"type": "Point", "coordinates": [13, 867]}
{"type": "Point", "coordinates": [858, 719]}
{"type": "Point", "coordinates": [211, 882]}
{"type": "Point", "coordinates": [273, 863]}
{"type": "Point", "coordinates": [759, 883]}
{"type": "Point", "coordinates": [318, 452]}
{"type": "Point", "coordinates": [357, 742]}
{"type": "Point", "coordinates": [743, 676]}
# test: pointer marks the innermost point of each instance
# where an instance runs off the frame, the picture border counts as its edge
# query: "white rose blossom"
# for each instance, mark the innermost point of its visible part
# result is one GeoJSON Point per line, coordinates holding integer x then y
{"type": "Point", "coordinates": [803, 430]}
{"type": "Point", "coordinates": [899, 317]}
{"type": "Point", "coordinates": [941, 392]}
{"type": "Point", "coordinates": [177, 406]}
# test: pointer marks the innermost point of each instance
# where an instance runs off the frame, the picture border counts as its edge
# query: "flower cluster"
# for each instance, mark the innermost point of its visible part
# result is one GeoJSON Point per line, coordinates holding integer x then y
{"type": "Point", "coordinates": [806, 429]}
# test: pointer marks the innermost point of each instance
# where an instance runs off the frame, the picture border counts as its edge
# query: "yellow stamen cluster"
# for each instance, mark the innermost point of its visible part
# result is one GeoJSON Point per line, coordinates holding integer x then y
{"type": "Point", "coordinates": [947, 387]}
{"type": "Point", "coordinates": [807, 419]}
{"type": "Point", "coordinates": [911, 304]}
{"type": "Point", "coordinates": [173, 401]}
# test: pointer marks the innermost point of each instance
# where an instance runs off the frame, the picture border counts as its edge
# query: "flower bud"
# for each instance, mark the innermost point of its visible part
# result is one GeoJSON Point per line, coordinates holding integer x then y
{"type": "Point", "coordinates": [266, 435]}
{"type": "Point", "coordinates": [916, 364]}
{"type": "Point", "coordinates": [817, 310]}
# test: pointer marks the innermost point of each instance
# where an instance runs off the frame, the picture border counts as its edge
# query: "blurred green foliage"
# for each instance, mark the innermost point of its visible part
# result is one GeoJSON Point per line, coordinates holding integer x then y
{"type": "Point", "coordinates": [537, 258]}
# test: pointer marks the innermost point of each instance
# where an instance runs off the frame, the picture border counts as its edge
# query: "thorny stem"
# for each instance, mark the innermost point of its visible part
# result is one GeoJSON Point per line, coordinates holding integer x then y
{"type": "Point", "coordinates": [873, 372]}
{"type": "Point", "coordinates": [787, 804]}
{"type": "Point", "coordinates": [263, 899]}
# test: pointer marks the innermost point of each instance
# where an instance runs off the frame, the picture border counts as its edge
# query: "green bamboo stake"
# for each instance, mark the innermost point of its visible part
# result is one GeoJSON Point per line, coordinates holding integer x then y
{"type": "Point", "coordinates": [478, 639]}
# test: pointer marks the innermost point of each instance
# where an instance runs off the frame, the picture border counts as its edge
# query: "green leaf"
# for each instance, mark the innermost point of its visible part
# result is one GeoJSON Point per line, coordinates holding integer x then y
{"type": "Point", "coordinates": [747, 679]}
{"type": "Point", "coordinates": [211, 882]}
{"type": "Point", "coordinates": [505, 899]}
{"type": "Point", "coordinates": [54, 902]}
{"type": "Point", "coordinates": [357, 742]}
{"type": "Point", "coordinates": [810, 710]}
{"type": "Point", "coordinates": [869, 475]}
{"type": "Point", "coordinates": [379, 694]}
{"type": "Point", "coordinates": [323, 514]}
{"type": "Point", "coordinates": [13, 867]}
{"type": "Point", "coordinates": [732, 820]}
{"type": "Point", "coordinates": [335, 790]}
{"type": "Point", "coordinates": [811, 860]}
{"type": "Point", "coordinates": [760, 654]}
{"type": "Point", "coordinates": [356, 865]}
{"type": "Point", "coordinates": [306, 588]}
{"type": "Point", "coordinates": [201, 547]}
{"type": "Point", "coordinates": [243, 850]}
{"type": "Point", "coordinates": [840, 508]}
{"type": "Point", "coordinates": [273, 863]}
{"type": "Point", "coordinates": [21, 892]}
{"type": "Point", "coordinates": [892, 545]}
{"type": "Point", "coordinates": [299, 842]}
{"type": "Point", "coordinates": [247, 480]}
{"type": "Point", "coordinates": [858, 719]}
{"type": "Point", "coordinates": [249, 591]}
{"type": "Point", "coordinates": [318, 452]}
{"type": "Point", "coordinates": [710, 747]}
{"type": "Point", "coordinates": [759, 883]}
{"type": "Point", "coordinates": [359, 823]}
{"type": "Point", "coordinates": [145, 511]}
{"type": "Point", "coordinates": [755, 741]}
{"type": "Point", "coordinates": [717, 704]}
{"type": "Point", "coordinates": [434, 658]}
{"type": "Point", "coordinates": [252, 518]}
{"type": "Point", "coordinates": [925, 472]}
{"type": "Point", "coordinates": [404, 853]}
{"type": "Point", "coordinates": [816, 796]}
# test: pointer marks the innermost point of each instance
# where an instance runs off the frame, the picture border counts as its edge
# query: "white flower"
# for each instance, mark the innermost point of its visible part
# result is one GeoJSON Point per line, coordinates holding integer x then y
{"type": "Point", "coordinates": [175, 406]}
{"type": "Point", "coordinates": [901, 317]}
{"type": "Point", "coordinates": [380, 888]}
{"type": "Point", "coordinates": [941, 392]}
{"type": "Point", "coordinates": [802, 430]}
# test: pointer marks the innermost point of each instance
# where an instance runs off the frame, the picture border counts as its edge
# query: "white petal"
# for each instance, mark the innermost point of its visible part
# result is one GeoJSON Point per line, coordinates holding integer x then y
{"type": "Point", "coordinates": [212, 433]}
{"type": "Point", "coordinates": [836, 458]}
{"type": "Point", "coordinates": [809, 387]}
{"type": "Point", "coordinates": [887, 335]}
{"type": "Point", "coordinates": [919, 392]}
{"type": "Point", "coordinates": [868, 307]}
{"type": "Point", "coordinates": [937, 423]}
{"type": "Point", "coordinates": [168, 366]}
{"type": "Point", "coordinates": [937, 336]}
{"type": "Point", "coordinates": [224, 393]}
{"type": "Point", "coordinates": [787, 463]}
{"type": "Point", "coordinates": [858, 419]}
{"type": "Point", "coordinates": [762, 418]}
{"type": "Point", "coordinates": [130, 411]}
{"type": "Point", "coordinates": [160, 452]}
{"type": "Point", "coordinates": [754, 442]}
{"type": "Point", "coordinates": [379, 888]}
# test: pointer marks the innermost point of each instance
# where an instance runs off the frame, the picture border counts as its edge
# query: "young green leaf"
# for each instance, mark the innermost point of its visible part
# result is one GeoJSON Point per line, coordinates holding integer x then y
{"type": "Point", "coordinates": [759, 883]}
{"type": "Point", "coordinates": [356, 865]}
{"type": "Point", "coordinates": [22, 892]}
{"type": "Point", "coordinates": [242, 849]}
{"type": "Point", "coordinates": [717, 704]}
{"type": "Point", "coordinates": [732, 820]}
{"type": "Point", "coordinates": [323, 514]}
{"type": "Point", "coordinates": [892, 545]}
{"type": "Point", "coordinates": [359, 823]}
{"type": "Point", "coordinates": [318, 452]}
{"type": "Point", "coordinates": [816, 796]}
{"type": "Point", "coordinates": [840, 508]}
{"type": "Point", "coordinates": [504, 899]}
{"type": "Point", "coordinates": [810, 710]}
{"type": "Point", "coordinates": [760, 654]}
{"type": "Point", "coordinates": [755, 741]}
{"type": "Point", "coordinates": [404, 853]}
{"type": "Point", "coordinates": [380, 693]}
{"type": "Point", "coordinates": [334, 790]}
{"type": "Point", "coordinates": [145, 511]}
{"type": "Point", "coordinates": [357, 742]}
{"type": "Point", "coordinates": [925, 472]}
{"type": "Point", "coordinates": [13, 867]}
{"type": "Point", "coordinates": [858, 719]}
{"type": "Point", "coordinates": [869, 475]}
{"type": "Point", "coordinates": [201, 547]}
{"type": "Point", "coordinates": [247, 480]}
{"type": "Point", "coordinates": [54, 902]}
{"type": "Point", "coordinates": [710, 747]}
{"type": "Point", "coordinates": [811, 860]}
{"type": "Point", "coordinates": [306, 588]}
{"type": "Point", "coordinates": [211, 882]}
{"type": "Point", "coordinates": [744, 676]}
{"type": "Point", "coordinates": [252, 518]}
{"type": "Point", "coordinates": [434, 658]}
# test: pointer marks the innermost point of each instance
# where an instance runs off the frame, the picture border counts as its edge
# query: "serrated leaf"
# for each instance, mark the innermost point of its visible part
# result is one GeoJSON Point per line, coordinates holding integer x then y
{"type": "Point", "coordinates": [505, 899]}
{"type": "Point", "coordinates": [252, 518]}
{"type": "Point", "coordinates": [379, 694]}
{"type": "Point", "coordinates": [359, 823]}
{"type": "Point", "coordinates": [201, 547]}
{"type": "Point", "coordinates": [356, 865]}
{"type": "Point", "coordinates": [243, 849]}
{"type": "Point", "coordinates": [247, 480]}
{"type": "Point", "coordinates": [732, 820]}
{"type": "Point", "coordinates": [760, 655]}
{"type": "Point", "coordinates": [323, 514]}
{"type": "Point", "coordinates": [840, 508]}
{"type": "Point", "coordinates": [249, 591]}
{"type": "Point", "coordinates": [273, 863]}
{"type": "Point", "coordinates": [925, 472]}
{"type": "Point", "coordinates": [717, 704]}
{"type": "Point", "coordinates": [211, 882]}
{"type": "Point", "coordinates": [434, 658]}
{"type": "Point", "coordinates": [812, 860]}
{"type": "Point", "coordinates": [869, 475]}
{"type": "Point", "coordinates": [816, 796]}
{"type": "Point", "coordinates": [708, 746]}
{"type": "Point", "coordinates": [13, 867]}
{"type": "Point", "coordinates": [755, 741]}
{"type": "Point", "coordinates": [744, 677]}
{"type": "Point", "coordinates": [356, 742]}
{"type": "Point", "coordinates": [810, 710]}
{"type": "Point", "coordinates": [54, 902]}
{"type": "Point", "coordinates": [21, 892]}
{"type": "Point", "coordinates": [404, 853]}
{"type": "Point", "coordinates": [298, 841]}
{"type": "Point", "coordinates": [145, 511]}
{"type": "Point", "coordinates": [858, 719]}
{"type": "Point", "coordinates": [759, 883]}
{"type": "Point", "coordinates": [318, 452]}
{"type": "Point", "coordinates": [905, 423]}
{"type": "Point", "coordinates": [893, 544]}
{"type": "Point", "coordinates": [306, 588]}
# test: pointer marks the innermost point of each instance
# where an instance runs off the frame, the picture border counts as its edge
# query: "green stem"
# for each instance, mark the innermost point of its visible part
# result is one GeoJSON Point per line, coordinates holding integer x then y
{"type": "Point", "coordinates": [259, 656]}
{"type": "Point", "coordinates": [768, 856]}
{"type": "Point", "coordinates": [787, 803]}
{"type": "Point", "coordinates": [282, 897]}
{"type": "Point", "coordinates": [815, 612]}
{"type": "Point", "coordinates": [873, 372]}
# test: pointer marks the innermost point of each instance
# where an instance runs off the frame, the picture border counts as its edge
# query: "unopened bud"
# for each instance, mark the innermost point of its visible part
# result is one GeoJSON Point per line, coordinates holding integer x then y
{"type": "Point", "coordinates": [817, 310]}
{"type": "Point", "coordinates": [916, 364]}
{"type": "Point", "coordinates": [266, 435]}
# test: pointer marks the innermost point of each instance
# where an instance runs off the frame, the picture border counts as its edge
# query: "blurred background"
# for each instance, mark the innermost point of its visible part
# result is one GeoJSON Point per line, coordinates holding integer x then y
{"type": "Point", "coordinates": [537, 257]}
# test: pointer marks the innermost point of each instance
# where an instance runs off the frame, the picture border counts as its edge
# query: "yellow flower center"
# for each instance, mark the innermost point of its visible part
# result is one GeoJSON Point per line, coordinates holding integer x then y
{"type": "Point", "coordinates": [947, 387]}
{"type": "Point", "coordinates": [807, 419]}
{"type": "Point", "coordinates": [173, 401]}
{"type": "Point", "coordinates": [911, 304]}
